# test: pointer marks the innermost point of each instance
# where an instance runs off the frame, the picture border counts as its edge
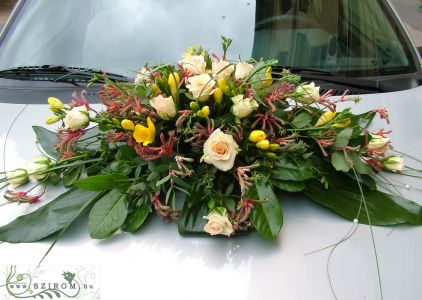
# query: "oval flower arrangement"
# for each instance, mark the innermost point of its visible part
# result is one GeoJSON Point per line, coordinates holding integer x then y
{"type": "Point", "coordinates": [225, 136]}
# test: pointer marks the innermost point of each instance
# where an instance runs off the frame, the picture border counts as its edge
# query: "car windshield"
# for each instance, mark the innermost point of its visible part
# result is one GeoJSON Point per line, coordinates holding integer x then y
{"type": "Point", "coordinates": [349, 37]}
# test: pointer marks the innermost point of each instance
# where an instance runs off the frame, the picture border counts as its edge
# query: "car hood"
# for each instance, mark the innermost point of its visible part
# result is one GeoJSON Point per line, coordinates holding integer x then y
{"type": "Point", "coordinates": [244, 267]}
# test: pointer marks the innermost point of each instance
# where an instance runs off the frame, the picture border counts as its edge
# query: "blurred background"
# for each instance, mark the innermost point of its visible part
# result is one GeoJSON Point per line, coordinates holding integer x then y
{"type": "Point", "coordinates": [409, 10]}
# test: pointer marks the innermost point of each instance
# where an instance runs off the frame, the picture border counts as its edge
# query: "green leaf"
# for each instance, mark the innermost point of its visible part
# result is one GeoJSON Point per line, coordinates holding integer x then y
{"type": "Point", "coordinates": [126, 153]}
{"type": "Point", "coordinates": [359, 165]}
{"type": "Point", "coordinates": [339, 162]}
{"type": "Point", "coordinates": [163, 180]}
{"type": "Point", "coordinates": [292, 168]}
{"type": "Point", "coordinates": [267, 217]}
{"type": "Point", "coordinates": [302, 120]}
{"type": "Point", "coordinates": [47, 140]}
{"type": "Point", "coordinates": [49, 218]}
{"type": "Point", "coordinates": [343, 197]}
{"type": "Point", "coordinates": [101, 182]}
{"type": "Point", "coordinates": [136, 218]}
{"type": "Point", "coordinates": [192, 218]}
{"type": "Point", "coordinates": [343, 137]}
{"type": "Point", "coordinates": [72, 174]}
{"type": "Point", "coordinates": [108, 214]}
{"type": "Point", "coordinates": [289, 186]}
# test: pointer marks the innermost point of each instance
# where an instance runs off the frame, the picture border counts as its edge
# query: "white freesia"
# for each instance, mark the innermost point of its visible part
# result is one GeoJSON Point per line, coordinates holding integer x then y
{"type": "Point", "coordinates": [194, 64]}
{"type": "Point", "coordinates": [242, 70]}
{"type": "Point", "coordinates": [218, 224]}
{"type": "Point", "coordinates": [201, 86]}
{"type": "Point", "coordinates": [77, 118]}
{"type": "Point", "coordinates": [17, 177]}
{"type": "Point", "coordinates": [165, 107]}
{"type": "Point", "coordinates": [222, 70]}
{"type": "Point", "coordinates": [220, 150]}
{"type": "Point", "coordinates": [309, 93]}
{"type": "Point", "coordinates": [242, 107]}
{"type": "Point", "coordinates": [394, 163]}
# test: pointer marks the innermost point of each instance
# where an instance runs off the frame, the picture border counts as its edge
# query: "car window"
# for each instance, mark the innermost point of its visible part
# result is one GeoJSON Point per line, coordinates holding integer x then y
{"type": "Point", "coordinates": [349, 37]}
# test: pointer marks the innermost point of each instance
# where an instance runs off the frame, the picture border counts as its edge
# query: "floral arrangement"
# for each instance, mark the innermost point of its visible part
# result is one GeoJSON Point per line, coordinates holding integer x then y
{"type": "Point", "coordinates": [225, 136]}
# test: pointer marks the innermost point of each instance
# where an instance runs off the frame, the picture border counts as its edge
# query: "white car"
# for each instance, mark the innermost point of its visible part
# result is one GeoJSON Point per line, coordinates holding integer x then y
{"type": "Point", "coordinates": [52, 48]}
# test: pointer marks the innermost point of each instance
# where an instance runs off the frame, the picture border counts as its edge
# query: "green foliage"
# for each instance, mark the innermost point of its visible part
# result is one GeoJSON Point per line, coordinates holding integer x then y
{"type": "Point", "coordinates": [47, 139]}
{"type": "Point", "coordinates": [267, 216]}
{"type": "Point", "coordinates": [48, 219]}
{"type": "Point", "coordinates": [102, 182]}
{"type": "Point", "coordinates": [108, 214]}
{"type": "Point", "coordinates": [294, 168]}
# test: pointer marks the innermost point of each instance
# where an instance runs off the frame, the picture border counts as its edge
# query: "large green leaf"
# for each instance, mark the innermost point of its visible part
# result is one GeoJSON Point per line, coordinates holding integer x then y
{"type": "Point", "coordinates": [267, 217]}
{"type": "Point", "coordinates": [49, 218]}
{"type": "Point", "coordinates": [102, 182]}
{"type": "Point", "coordinates": [108, 214]}
{"type": "Point", "coordinates": [343, 196]}
{"type": "Point", "coordinates": [192, 218]}
{"type": "Point", "coordinates": [288, 186]}
{"type": "Point", "coordinates": [339, 162]}
{"type": "Point", "coordinates": [136, 218]}
{"type": "Point", "coordinates": [290, 167]}
{"type": "Point", "coordinates": [47, 139]}
{"type": "Point", "coordinates": [72, 174]}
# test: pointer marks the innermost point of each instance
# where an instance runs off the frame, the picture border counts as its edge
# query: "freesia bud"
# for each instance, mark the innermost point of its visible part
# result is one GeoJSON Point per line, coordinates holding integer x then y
{"type": "Point", "coordinates": [271, 155]}
{"type": "Point", "coordinates": [342, 124]}
{"type": "Point", "coordinates": [264, 145]}
{"type": "Point", "coordinates": [127, 124]}
{"type": "Point", "coordinates": [55, 104]}
{"type": "Point", "coordinates": [194, 106]}
{"type": "Point", "coordinates": [173, 82]}
{"type": "Point", "coordinates": [394, 164]}
{"type": "Point", "coordinates": [218, 95]}
{"type": "Point", "coordinates": [17, 177]}
{"type": "Point", "coordinates": [52, 120]}
{"type": "Point", "coordinates": [268, 78]}
{"type": "Point", "coordinates": [204, 112]}
{"type": "Point", "coordinates": [257, 136]}
{"type": "Point", "coordinates": [274, 147]}
{"type": "Point", "coordinates": [325, 118]}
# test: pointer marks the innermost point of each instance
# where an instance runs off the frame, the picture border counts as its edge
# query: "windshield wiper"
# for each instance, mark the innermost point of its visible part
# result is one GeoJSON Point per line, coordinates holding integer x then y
{"type": "Point", "coordinates": [57, 74]}
{"type": "Point", "coordinates": [327, 76]}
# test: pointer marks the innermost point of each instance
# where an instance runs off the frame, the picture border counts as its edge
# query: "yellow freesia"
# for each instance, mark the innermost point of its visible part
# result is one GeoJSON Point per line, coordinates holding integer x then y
{"type": "Point", "coordinates": [127, 124]}
{"type": "Point", "coordinates": [204, 112]}
{"type": "Point", "coordinates": [325, 118]}
{"type": "Point", "coordinates": [144, 134]}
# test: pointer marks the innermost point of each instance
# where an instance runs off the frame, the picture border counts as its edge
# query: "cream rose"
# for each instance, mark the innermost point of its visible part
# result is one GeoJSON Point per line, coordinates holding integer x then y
{"type": "Point", "coordinates": [218, 224]}
{"type": "Point", "coordinates": [165, 107]}
{"type": "Point", "coordinates": [242, 70]}
{"type": "Point", "coordinates": [201, 86]}
{"type": "Point", "coordinates": [77, 118]}
{"type": "Point", "coordinates": [194, 64]}
{"type": "Point", "coordinates": [242, 107]}
{"type": "Point", "coordinates": [378, 143]}
{"type": "Point", "coordinates": [220, 150]}
{"type": "Point", "coordinates": [222, 69]}
{"type": "Point", "coordinates": [309, 93]}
